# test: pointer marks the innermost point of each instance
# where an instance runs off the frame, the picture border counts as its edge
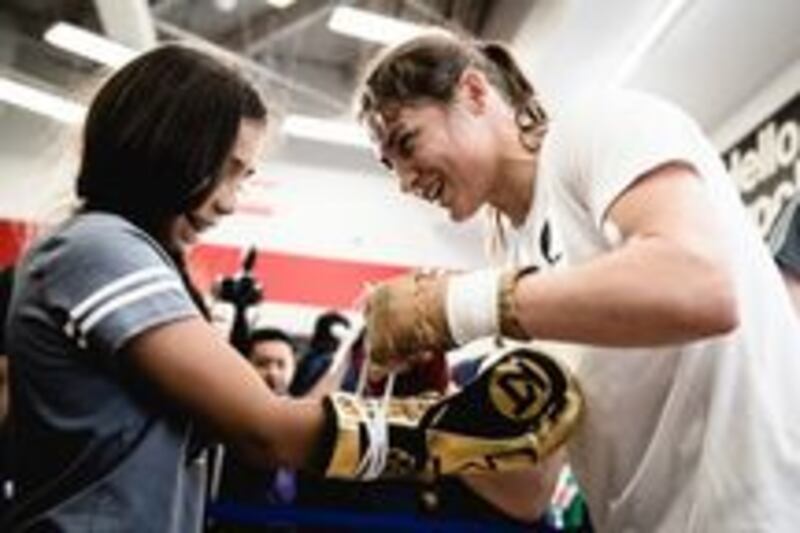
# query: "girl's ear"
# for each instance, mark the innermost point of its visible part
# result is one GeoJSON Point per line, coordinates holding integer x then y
{"type": "Point", "coordinates": [472, 89]}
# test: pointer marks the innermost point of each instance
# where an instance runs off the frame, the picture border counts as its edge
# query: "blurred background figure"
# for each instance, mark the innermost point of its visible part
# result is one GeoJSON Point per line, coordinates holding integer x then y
{"type": "Point", "coordinates": [317, 359]}
{"type": "Point", "coordinates": [272, 354]}
{"type": "Point", "coordinates": [6, 279]}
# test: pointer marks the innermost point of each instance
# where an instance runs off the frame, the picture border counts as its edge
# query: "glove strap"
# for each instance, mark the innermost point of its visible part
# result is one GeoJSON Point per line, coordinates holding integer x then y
{"type": "Point", "coordinates": [509, 313]}
{"type": "Point", "coordinates": [375, 437]}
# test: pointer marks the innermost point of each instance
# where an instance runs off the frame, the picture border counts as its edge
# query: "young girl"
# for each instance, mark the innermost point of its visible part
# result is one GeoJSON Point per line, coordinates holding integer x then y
{"type": "Point", "coordinates": [687, 339]}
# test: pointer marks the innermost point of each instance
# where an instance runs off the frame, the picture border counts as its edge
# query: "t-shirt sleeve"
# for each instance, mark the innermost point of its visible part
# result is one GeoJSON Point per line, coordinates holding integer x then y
{"type": "Point", "coordinates": [784, 238]}
{"type": "Point", "coordinates": [616, 138]}
{"type": "Point", "coordinates": [111, 284]}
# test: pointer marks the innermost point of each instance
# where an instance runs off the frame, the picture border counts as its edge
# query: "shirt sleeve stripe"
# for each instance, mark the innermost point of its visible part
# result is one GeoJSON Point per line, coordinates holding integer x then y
{"type": "Point", "coordinates": [117, 285]}
{"type": "Point", "coordinates": [125, 299]}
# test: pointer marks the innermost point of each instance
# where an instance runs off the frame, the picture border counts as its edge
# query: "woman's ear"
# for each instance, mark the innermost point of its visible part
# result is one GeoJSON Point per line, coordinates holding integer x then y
{"type": "Point", "coordinates": [473, 88]}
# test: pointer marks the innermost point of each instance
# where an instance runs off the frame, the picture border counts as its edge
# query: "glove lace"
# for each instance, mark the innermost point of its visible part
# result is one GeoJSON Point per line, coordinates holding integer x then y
{"type": "Point", "coordinates": [374, 415]}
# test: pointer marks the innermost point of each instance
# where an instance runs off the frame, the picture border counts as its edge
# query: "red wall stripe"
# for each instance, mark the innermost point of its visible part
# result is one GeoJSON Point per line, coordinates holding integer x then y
{"type": "Point", "coordinates": [13, 236]}
{"type": "Point", "coordinates": [284, 277]}
{"type": "Point", "coordinates": [292, 278]}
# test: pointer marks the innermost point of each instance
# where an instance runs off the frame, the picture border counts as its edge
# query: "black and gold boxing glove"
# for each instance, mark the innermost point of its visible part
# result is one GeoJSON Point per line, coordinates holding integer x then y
{"type": "Point", "coordinates": [512, 415]}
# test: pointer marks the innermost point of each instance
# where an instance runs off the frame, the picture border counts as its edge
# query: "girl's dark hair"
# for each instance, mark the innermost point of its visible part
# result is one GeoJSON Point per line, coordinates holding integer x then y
{"type": "Point", "coordinates": [429, 67]}
{"type": "Point", "coordinates": [158, 133]}
{"type": "Point", "coordinates": [157, 136]}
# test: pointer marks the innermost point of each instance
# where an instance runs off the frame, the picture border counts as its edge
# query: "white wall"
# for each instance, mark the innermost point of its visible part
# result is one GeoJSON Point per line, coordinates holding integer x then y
{"type": "Point", "coordinates": [37, 163]}
{"type": "Point", "coordinates": [351, 215]}
{"type": "Point", "coordinates": [770, 97]}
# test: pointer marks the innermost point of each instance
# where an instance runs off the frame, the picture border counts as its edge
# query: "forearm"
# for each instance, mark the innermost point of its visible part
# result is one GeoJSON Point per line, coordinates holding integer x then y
{"type": "Point", "coordinates": [524, 494]}
{"type": "Point", "coordinates": [290, 434]}
{"type": "Point", "coordinates": [649, 292]}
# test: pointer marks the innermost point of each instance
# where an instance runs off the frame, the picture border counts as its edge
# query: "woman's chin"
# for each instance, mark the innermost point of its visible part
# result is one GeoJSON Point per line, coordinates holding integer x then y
{"type": "Point", "coordinates": [459, 215]}
{"type": "Point", "coordinates": [185, 242]}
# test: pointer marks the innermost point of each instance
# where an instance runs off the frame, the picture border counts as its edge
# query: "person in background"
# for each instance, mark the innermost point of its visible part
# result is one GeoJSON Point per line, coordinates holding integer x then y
{"type": "Point", "coordinates": [272, 354]}
{"type": "Point", "coordinates": [315, 362]}
{"type": "Point", "coordinates": [6, 282]}
{"type": "Point", "coordinates": [784, 240]}
{"type": "Point", "coordinates": [686, 338]}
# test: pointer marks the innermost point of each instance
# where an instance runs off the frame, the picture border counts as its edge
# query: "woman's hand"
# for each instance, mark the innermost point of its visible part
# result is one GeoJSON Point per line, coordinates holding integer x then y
{"type": "Point", "coordinates": [405, 316]}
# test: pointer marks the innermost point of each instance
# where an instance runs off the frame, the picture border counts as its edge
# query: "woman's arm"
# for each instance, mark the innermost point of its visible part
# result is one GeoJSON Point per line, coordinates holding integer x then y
{"type": "Point", "coordinates": [667, 283]}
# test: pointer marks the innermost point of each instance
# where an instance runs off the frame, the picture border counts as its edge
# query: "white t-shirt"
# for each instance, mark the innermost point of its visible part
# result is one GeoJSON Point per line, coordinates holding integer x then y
{"type": "Point", "coordinates": [703, 436]}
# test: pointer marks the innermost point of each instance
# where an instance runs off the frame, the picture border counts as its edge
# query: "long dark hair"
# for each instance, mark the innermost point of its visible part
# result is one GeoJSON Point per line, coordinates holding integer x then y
{"type": "Point", "coordinates": [158, 133]}
{"type": "Point", "coordinates": [157, 136]}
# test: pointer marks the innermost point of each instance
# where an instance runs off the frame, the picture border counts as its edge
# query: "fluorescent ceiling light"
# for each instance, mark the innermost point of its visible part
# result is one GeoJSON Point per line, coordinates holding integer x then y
{"type": "Point", "coordinates": [663, 21]}
{"type": "Point", "coordinates": [88, 44]}
{"type": "Point", "coordinates": [41, 102]}
{"type": "Point", "coordinates": [280, 4]}
{"type": "Point", "coordinates": [371, 26]}
{"type": "Point", "coordinates": [328, 131]}
{"type": "Point", "coordinates": [226, 5]}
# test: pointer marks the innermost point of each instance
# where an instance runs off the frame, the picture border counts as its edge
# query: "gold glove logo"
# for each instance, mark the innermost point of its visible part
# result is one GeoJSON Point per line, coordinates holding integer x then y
{"type": "Point", "coordinates": [519, 389]}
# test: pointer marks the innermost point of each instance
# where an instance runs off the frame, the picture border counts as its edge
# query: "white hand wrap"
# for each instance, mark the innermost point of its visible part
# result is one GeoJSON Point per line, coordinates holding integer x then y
{"type": "Point", "coordinates": [472, 307]}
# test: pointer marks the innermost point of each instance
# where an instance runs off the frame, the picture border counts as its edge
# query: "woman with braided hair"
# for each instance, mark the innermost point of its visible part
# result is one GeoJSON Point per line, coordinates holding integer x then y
{"type": "Point", "coordinates": [687, 342]}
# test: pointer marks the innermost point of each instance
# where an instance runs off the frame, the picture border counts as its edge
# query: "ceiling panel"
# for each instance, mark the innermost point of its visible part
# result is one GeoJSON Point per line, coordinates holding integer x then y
{"type": "Point", "coordinates": [720, 53]}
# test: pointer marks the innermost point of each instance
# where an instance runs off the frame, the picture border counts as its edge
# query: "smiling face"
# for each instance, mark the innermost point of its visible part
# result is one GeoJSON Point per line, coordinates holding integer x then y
{"type": "Point", "coordinates": [445, 154]}
{"type": "Point", "coordinates": [239, 165]}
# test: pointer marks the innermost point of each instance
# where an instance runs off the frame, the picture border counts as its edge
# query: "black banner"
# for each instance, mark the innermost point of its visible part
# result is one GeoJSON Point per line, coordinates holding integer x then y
{"type": "Point", "coordinates": [766, 164]}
